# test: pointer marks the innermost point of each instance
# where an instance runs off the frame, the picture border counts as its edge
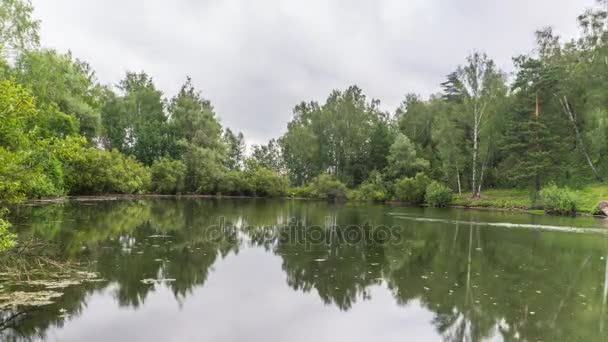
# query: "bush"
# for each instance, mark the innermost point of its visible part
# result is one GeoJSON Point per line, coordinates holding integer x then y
{"type": "Point", "coordinates": [557, 200]}
{"type": "Point", "coordinates": [95, 171]}
{"type": "Point", "coordinates": [26, 174]}
{"type": "Point", "coordinates": [412, 190]}
{"type": "Point", "coordinates": [266, 182]}
{"type": "Point", "coordinates": [372, 190]}
{"type": "Point", "coordinates": [300, 192]}
{"type": "Point", "coordinates": [204, 169]}
{"type": "Point", "coordinates": [235, 183]}
{"type": "Point", "coordinates": [327, 187]}
{"type": "Point", "coordinates": [7, 239]}
{"type": "Point", "coordinates": [167, 176]}
{"type": "Point", "coordinates": [369, 192]}
{"type": "Point", "coordinates": [438, 195]}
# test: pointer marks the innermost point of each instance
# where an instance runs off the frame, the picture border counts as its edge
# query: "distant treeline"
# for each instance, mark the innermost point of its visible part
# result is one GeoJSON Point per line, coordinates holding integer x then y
{"type": "Point", "coordinates": [61, 132]}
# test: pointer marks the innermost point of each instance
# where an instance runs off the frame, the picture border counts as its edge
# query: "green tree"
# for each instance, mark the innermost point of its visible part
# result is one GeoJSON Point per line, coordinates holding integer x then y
{"type": "Point", "coordinates": [67, 83]}
{"type": "Point", "coordinates": [402, 159]}
{"type": "Point", "coordinates": [235, 147]}
{"type": "Point", "coordinates": [18, 29]}
{"type": "Point", "coordinates": [476, 88]}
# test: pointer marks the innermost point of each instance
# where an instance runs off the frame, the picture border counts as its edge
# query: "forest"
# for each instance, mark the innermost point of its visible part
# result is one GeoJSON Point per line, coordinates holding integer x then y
{"type": "Point", "coordinates": [540, 129]}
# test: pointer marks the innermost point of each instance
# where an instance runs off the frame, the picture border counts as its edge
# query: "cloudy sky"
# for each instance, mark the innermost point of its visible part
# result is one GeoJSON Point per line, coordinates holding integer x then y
{"type": "Point", "coordinates": [256, 59]}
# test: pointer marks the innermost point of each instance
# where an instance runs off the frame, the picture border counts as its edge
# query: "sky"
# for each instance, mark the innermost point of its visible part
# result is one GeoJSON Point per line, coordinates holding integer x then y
{"type": "Point", "coordinates": [255, 60]}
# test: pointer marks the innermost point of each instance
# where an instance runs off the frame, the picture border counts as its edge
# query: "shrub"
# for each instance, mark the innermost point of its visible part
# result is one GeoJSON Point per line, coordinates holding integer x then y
{"type": "Point", "coordinates": [438, 195]}
{"type": "Point", "coordinates": [300, 192]}
{"type": "Point", "coordinates": [204, 169]}
{"type": "Point", "coordinates": [26, 174]}
{"type": "Point", "coordinates": [7, 239]}
{"type": "Point", "coordinates": [95, 171]}
{"type": "Point", "coordinates": [167, 176]}
{"type": "Point", "coordinates": [327, 187]}
{"type": "Point", "coordinates": [412, 190]}
{"type": "Point", "coordinates": [372, 190]}
{"type": "Point", "coordinates": [266, 182]}
{"type": "Point", "coordinates": [234, 183]}
{"type": "Point", "coordinates": [369, 192]}
{"type": "Point", "coordinates": [557, 200]}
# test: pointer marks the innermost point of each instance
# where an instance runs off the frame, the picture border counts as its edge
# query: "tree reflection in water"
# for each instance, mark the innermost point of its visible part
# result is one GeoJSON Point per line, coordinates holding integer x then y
{"type": "Point", "coordinates": [479, 282]}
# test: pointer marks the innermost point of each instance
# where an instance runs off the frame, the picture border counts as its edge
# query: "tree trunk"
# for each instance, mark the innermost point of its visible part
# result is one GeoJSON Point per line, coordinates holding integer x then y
{"type": "Point", "coordinates": [458, 180]}
{"type": "Point", "coordinates": [475, 150]}
{"type": "Point", "coordinates": [579, 138]}
{"type": "Point", "coordinates": [483, 167]}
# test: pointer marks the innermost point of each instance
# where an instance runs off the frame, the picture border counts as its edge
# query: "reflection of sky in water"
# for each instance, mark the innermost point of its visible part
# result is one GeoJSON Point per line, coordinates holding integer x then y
{"type": "Point", "coordinates": [246, 299]}
{"type": "Point", "coordinates": [450, 275]}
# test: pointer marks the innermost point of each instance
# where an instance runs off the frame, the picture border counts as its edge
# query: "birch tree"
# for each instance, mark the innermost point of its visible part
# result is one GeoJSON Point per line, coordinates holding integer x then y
{"type": "Point", "coordinates": [476, 87]}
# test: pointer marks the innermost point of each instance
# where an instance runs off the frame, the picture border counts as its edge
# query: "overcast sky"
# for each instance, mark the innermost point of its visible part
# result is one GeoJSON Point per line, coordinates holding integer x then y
{"type": "Point", "coordinates": [256, 59]}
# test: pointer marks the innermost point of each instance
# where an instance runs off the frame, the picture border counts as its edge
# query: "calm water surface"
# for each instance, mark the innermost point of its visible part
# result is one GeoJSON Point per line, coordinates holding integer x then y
{"type": "Point", "coordinates": [258, 270]}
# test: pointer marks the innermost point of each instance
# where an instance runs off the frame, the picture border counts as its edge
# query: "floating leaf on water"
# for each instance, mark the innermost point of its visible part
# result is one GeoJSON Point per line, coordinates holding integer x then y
{"type": "Point", "coordinates": [20, 298]}
{"type": "Point", "coordinates": [53, 284]}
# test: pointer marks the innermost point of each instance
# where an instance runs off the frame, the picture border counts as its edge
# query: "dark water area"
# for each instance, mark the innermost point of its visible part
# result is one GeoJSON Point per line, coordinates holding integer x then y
{"type": "Point", "coordinates": [265, 270]}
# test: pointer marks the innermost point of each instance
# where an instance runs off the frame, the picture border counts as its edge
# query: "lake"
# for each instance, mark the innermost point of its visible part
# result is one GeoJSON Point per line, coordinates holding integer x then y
{"type": "Point", "coordinates": [285, 270]}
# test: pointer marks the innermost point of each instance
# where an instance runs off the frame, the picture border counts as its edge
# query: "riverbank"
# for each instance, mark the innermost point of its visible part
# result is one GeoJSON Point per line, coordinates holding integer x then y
{"type": "Point", "coordinates": [492, 199]}
{"type": "Point", "coordinates": [586, 199]}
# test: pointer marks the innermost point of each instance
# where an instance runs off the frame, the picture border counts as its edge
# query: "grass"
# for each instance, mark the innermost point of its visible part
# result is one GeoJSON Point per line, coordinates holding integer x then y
{"type": "Point", "coordinates": [587, 198]}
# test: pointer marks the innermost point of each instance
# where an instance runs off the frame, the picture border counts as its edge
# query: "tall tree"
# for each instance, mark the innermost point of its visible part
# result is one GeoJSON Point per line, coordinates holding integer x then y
{"type": "Point", "coordinates": [476, 87]}
{"type": "Point", "coordinates": [18, 29]}
{"type": "Point", "coordinates": [136, 121]}
{"type": "Point", "coordinates": [235, 146]}
{"type": "Point", "coordinates": [59, 79]}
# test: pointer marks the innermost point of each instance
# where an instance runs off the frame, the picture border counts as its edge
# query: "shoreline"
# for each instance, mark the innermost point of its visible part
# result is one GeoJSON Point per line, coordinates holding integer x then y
{"type": "Point", "coordinates": [115, 197]}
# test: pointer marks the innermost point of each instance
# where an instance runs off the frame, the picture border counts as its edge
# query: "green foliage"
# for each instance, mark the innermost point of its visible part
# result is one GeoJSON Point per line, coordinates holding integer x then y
{"type": "Point", "coordinates": [204, 169]}
{"type": "Point", "coordinates": [412, 190]}
{"type": "Point", "coordinates": [18, 30]}
{"type": "Point", "coordinates": [347, 136]}
{"type": "Point", "coordinates": [94, 171]}
{"type": "Point", "coordinates": [438, 195]}
{"type": "Point", "coordinates": [327, 187]}
{"type": "Point", "coordinates": [235, 146]}
{"type": "Point", "coordinates": [558, 200]}
{"type": "Point", "coordinates": [266, 156]}
{"type": "Point", "coordinates": [167, 176]}
{"type": "Point", "coordinates": [267, 183]}
{"type": "Point", "coordinates": [372, 190]}
{"type": "Point", "coordinates": [65, 85]}
{"type": "Point", "coordinates": [402, 160]}
{"type": "Point", "coordinates": [7, 239]}
{"type": "Point", "coordinates": [235, 183]}
{"type": "Point", "coordinates": [300, 192]}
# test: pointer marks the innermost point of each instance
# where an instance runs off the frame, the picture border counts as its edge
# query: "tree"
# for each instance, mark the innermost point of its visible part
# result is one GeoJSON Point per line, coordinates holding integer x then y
{"type": "Point", "coordinates": [136, 122]}
{"type": "Point", "coordinates": [193, 119]}
{"type": "Point", "coordinates": [476, 87]}
{"type": "Point", "coordinates": [235, 147]}
{"type": "Point", "coordinates": [402, 160]}
{"type": "Point", "coordinates": [529, 145]}
{"type": "Point", "coordinates": [59, 80]}
{"type": "Point", "coordinates": [267, 156]}
{"type": "Point", "coordinates": [18, 30]}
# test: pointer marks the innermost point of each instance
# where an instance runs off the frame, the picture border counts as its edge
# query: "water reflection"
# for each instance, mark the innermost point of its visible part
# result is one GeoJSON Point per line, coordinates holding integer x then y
{"type": "Point", "coordinates": [477, 282]}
